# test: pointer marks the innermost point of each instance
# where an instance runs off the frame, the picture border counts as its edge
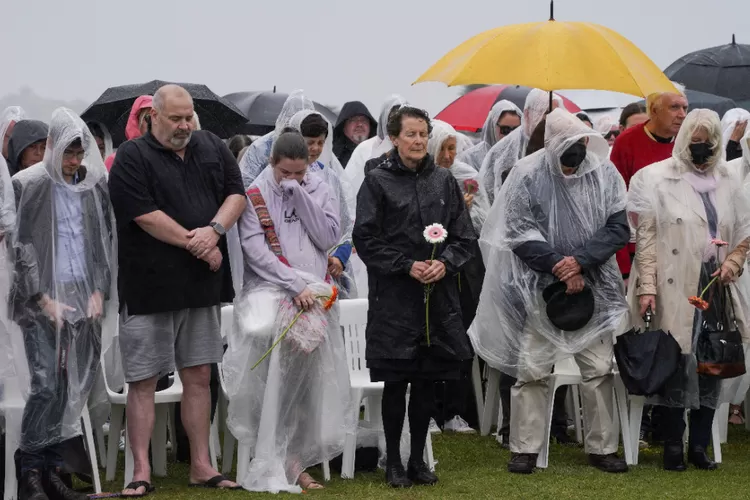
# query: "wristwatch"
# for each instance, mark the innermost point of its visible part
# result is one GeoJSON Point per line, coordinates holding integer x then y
{"type": "Point", "coordinates": [218, 228]}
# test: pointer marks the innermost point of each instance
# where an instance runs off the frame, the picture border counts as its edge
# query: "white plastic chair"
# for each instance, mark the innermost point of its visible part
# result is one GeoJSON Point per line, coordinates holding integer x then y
{"type": "Point", "coordinates": [12, 408]}
{"type": "Point", "coordinates": [353, 320]}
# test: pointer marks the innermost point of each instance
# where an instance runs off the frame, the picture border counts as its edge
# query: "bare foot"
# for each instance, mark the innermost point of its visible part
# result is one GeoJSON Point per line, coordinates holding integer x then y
{"type": "Point", "coordinates": [306, 482]}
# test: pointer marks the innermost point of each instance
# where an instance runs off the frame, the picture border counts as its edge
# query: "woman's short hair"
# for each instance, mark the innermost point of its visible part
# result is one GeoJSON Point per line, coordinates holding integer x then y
{"type": "Point", "coordinates": [635, 108]}
{"type": "Point", "coordinates": [314, 125]}
{"type": "Point", "coordinates": [237, 143]}
{"type": "Point", "coordinates": [290, 145]}
{"type": "Point", "coordinates": [508, 112]}
{"type": "Point", "coordinates": [396, 119]}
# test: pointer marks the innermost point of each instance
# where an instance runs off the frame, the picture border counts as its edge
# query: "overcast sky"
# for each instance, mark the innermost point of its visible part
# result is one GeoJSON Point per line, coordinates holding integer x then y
{"type": "Point", "coordinates": [337, 50]}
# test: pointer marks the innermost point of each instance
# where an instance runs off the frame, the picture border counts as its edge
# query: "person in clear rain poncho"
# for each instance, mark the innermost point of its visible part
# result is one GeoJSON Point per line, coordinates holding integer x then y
{"type": "Point", "coordinates": [690, 214]}
{"type": "Point", "coordinates": [504, 155]}
{"type": "Point", "coordinates": [555, 227]}
{"type": "Point", "coordinates": [63, 294]}
{"type": "Point", "coordinates": [317, 132]}
{"type": "Point", "coordinates": [257, 156]}
{"type": "Point", "coordinates": [292, 406]}
{"type": "Point", "coordinates": [503, 118]}
{"type": "Point", "coordinates": [8, 119]}
{"type": "Point", "coordinates": [733, 128]}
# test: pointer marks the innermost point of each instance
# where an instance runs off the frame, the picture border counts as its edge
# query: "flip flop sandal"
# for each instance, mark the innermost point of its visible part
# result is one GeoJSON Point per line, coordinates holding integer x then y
{"type": "Point", "coordinates": [214, 482]}
{"type": "Point", "coordinates": [139, 484]}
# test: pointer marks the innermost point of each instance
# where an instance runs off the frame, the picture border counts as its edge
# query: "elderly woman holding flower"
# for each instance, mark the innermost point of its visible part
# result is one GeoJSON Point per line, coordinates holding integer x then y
{"type": "Point", "coordinates": [692, 233]}
{"type": "Point", "coordinates": [409, 343]}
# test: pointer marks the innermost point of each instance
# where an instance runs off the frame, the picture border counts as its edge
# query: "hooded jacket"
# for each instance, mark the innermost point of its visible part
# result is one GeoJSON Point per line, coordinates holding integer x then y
{"type": "Point", "coordinates": [133, 127]}
{"type": "Point", "coordinates": [25, 133]}
{"type": "Point", "coordinates": [343, 147]}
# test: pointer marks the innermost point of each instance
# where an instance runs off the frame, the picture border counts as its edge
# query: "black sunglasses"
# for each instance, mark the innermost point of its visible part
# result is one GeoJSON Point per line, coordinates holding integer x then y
{"type": "Point", "coordinates": [506, 129]}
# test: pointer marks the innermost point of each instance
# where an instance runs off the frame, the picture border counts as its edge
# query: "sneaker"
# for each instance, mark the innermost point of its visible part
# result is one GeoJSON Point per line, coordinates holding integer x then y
{"type": "Point", "coordinates": [642, 443]}
{"type": "Point", "coordinates": [434, 428]}
{"type": "Point", "coordinates": [458, 424]}
{"type": "Point", "coordinates": [522, 463]}
{"type": "Point", "coordinates": [122, 442]}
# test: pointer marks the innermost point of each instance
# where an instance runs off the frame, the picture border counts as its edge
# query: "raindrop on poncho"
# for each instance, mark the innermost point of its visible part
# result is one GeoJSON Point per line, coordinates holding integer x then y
{"type": "Point", "coordinates": [539, 205]}
{"type": "Point", "coordinates": [667, 205]}
{"type": "Point", "coordinates": [441, 131]}
{"type": "Point", "coordinates": [504, 155]}
{"type": "Point", "coordinates": [333, 174]}
{"type": "Point", "coordinates": [474, 156]}
{"type": "Point", "coordinates": [65, 251]}
{"type": "Point", "coordinates": [256, 158]}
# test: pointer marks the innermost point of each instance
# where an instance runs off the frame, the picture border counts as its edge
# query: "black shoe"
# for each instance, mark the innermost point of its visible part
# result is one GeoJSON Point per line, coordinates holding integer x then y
{"type": "Point", "coordinates": [674, 458]}
{"type": "Point", "coordinates": [395, 476]}
{"type": "Point", "coordinates": [564, 439]}
{"type": "Point", "coordinates": [698, 457]}
{"type": "Point", "coordinates": [505, 441]}
{"type": "Point", "coordinates": [57, 489]}
{"type": "Point", "coordinates": [419, 473]}
{"type": "Point", "coordinates": [31, 486]}
{"type": "Point", "coordinates": [522, 463]}
{"type": "Point", "coordinates": [608, 463]}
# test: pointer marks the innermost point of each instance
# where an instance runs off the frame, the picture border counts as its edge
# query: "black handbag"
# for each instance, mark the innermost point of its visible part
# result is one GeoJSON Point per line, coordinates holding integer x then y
{"type": "Point", "coordinates": [647, 360]}
{"type": "Point", "coordinates": [719, 350]}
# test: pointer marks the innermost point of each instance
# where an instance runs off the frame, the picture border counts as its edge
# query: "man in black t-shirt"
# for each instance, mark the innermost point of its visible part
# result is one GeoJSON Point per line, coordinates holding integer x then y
{"type": "Point", "coordinates": [175, 193]}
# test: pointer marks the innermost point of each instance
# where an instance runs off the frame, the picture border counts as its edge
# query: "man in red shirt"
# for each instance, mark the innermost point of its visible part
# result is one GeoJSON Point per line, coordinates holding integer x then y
{"type": "Point", "coordinates": [647, 143]}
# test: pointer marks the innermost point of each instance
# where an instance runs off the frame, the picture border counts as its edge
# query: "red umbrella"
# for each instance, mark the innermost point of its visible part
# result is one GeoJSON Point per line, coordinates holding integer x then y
{"type": "Point", "coordinates": [470, 111]}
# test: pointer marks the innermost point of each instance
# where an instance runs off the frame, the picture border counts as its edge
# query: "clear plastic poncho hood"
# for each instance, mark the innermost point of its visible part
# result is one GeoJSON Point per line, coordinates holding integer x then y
{"type": "Point", "coordinates": [537, 203]}
{"type": "Point", "coordinates": [441, 131]}
{"type": "Point", "coordinates": [504, 155]}
{"type": "Point", "coordinates": [474, 156]}
{"type": "Point", "coordinates": [257, 156]}
{"type": "Point", "coordinates": [333, 174]}
{"type": "Point", "coordinates": [729, 123]}
{"type": "Point", "coordinates": [64, 248]}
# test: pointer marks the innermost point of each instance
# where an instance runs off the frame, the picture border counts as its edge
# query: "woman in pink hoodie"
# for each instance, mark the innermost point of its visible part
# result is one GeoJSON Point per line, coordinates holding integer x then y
{"type": "Point", "coordinates": [136, 125]}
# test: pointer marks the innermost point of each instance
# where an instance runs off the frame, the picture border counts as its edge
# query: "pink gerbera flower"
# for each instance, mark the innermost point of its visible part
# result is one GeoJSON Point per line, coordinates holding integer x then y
{"type": "Point", "coordinates": [435, 234]}
{"type": "Point", "coordinates": [719, 243]}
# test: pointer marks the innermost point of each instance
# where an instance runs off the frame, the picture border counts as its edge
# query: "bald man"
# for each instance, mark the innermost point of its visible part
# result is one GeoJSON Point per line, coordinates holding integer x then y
{"type": "Point", "coordinates": [175, 192]}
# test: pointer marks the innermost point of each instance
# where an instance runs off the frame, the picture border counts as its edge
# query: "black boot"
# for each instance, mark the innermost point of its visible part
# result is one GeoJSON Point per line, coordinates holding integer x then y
{"type": "Point", "coordinates": [57, 489]}
{"type": "Point", "coordinates": [698, 457]}
{"type": "Point", "coordinates": [419, 473]}
{"type": "Point", "coordinates": [522, 463]}
{"type": "Point", "coordinates": [608, 463]}
{"type": "Point", "coordinates": [674, 457]}
{"type": "Point", "coordinates": [395, 476]}
{"type": "Point", "coordinates": [31, 486]}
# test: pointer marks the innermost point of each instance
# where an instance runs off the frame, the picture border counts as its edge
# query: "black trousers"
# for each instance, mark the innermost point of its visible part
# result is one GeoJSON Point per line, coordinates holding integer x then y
{"type": "Point", "coordinates": [701, 421]}
{"type": "Point", "coordinates": [52, 357]}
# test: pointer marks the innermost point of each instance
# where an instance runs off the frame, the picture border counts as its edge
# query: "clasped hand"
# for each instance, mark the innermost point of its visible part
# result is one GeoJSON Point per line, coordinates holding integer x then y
{"type": "Point", "coordinates": [427, 272]}
{"type": "Point", "coordinates": [569, 270]}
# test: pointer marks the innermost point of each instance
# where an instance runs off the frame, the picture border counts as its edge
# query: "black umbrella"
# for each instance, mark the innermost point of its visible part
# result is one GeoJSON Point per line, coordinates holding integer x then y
{"type": "Point", "coordinates": [113, 107]}
{"type": "Point", "coordinates": [722, 70]}
{"type": "Point", "coordinates": [703, 100]}
{"type": "Point", "coordinates": [261, 108]}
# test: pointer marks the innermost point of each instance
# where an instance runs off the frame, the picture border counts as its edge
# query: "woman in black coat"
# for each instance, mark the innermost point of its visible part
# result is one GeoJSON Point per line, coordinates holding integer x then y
{"type": "Point", "coordinates": [401, 196]}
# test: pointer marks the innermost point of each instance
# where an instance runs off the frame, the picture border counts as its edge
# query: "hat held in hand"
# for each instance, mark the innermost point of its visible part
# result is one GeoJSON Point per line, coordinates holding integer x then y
{"type": "Point", "coordinates": [568, 312]}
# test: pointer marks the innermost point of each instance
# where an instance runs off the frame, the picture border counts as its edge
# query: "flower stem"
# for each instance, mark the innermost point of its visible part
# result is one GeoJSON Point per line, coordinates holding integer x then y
{"type": "Point", "coordinates": [428, 292]}
{"type": "Point", "coordinates": [708, 286]}
{"type": "Point", "coordinates": [281, 337]}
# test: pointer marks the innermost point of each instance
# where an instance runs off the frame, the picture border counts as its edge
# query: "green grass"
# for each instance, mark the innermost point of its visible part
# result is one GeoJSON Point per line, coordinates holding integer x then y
{"type": "Point", "coordinates": [474, 467]}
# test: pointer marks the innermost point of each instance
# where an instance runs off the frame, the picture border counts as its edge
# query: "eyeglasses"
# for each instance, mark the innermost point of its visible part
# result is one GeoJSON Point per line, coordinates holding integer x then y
{"type": "Point", "coordinates": [69, 155]}
{"type": "Point", "coordinates": [506, 129]}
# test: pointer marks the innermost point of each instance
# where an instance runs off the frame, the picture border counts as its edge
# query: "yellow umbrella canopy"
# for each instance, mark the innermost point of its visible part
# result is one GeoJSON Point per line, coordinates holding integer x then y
{"type": "Point", "coordinates": [551, 55]}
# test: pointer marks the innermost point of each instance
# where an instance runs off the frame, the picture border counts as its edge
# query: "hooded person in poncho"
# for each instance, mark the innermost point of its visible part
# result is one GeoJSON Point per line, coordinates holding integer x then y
{"type": "Point", "coordinates": [733, 128]}
{"type": "Point", "coordinates": [26, 144]}
{"type": "Point", "coordinates": [256, 157]}
{"type": "Point", "coordinates": [560, 216]}
{"type": "Point", "coordinates": [504, 114]}
{"type": "Point", "coordinates": [317, 133]}
{"type": "Point", "coordinates": [293, 409]}
{"type": "Point", "coordinates": [63, 294]}
{"type": "Point", "coordinates": [354, 126]}
{"type": "Point", "coordinates": [8, 119]}
{"type": "Point", "coordinates": [681, 207]}
{"type": "Point", "coordinates": [504, 155]}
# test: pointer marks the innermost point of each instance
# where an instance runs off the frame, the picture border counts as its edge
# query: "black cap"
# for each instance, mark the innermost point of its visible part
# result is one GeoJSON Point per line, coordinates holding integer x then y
{"type": "Point", "coordinates": [568, 312]}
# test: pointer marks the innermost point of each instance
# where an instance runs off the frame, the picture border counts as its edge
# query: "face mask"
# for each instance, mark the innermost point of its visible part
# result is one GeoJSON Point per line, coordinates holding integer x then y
{"type": "Point", "coordinates": [701, 153]}
{"type": "Point", "coordinates": [574, 155]}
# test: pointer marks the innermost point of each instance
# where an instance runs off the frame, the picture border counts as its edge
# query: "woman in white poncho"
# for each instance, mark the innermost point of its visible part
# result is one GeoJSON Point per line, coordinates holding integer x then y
{"type": "Point", "coordinates": [733, 128]}
{"type": "Point", "coordinates": [678, 207]}
{"type": "Point", "coordinates": [560, 215]}
{"type": "Point", "coordinates": [503, 155]}
{"type": "Point", "coordinates": [292, 408]}
{"type": "Point", "coordinates": [503, 117]}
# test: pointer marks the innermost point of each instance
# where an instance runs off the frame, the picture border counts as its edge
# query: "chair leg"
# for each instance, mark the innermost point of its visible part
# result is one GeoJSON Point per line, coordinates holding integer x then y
{"type": "Point", "coordinates": [115, 428]}
{"type": "Point", "coordinates": [159, 441]}
{"type": "Point", "coordinates": [543, 458]}
{"type": "Point", "coordinates": [13, 419]}
{"type": "Point", "coordinates": [621, 400]}
{"type": "Point", "coordinates": [227, 456]}
{"type": "Point", "coordinates": [491, 402]}
{"type": "Point", "coordinates": [747, 411]}
{"type": "Point", "coordinates": [350, 440]}
{"type": "Point", "coordinates": [129, 463]}
{"type": "Point", "coordinates": [88, 432]}
{"type": "Point", "coordinates": [716, 436]}
{"type": "Point", "coordinates": [326, 471]}
{"type": "Point", "coordinates": [722, 419]}
{"type": "Point", "coordinates": [636, 413]}
{"type": "Point", "coordinates": [101, 447]}
{"type": "Point", "coordinates": [577, 413]}
{"type": "Point", "coordinates": [243, 460]}
{"type": "Point", "coordinates": [476, 379]}
{"type": "Point", "coordinates": [213, 440]}
{"type": "Point", "coordinates": [429, 458]}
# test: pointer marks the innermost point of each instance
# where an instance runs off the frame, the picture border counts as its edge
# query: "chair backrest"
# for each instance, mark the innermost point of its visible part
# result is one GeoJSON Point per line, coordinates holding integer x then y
{"type": "Point", "coordinates": [567, 366]}
{"type": "Point", "coordinates": [353, 320]}
{"type": "Point", "coordinates": [227, 321]}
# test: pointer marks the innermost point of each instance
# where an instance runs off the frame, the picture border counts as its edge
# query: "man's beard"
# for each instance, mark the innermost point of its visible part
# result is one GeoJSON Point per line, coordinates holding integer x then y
{"type": "Point", "coordinates": [180, 142]}
{"type": "Point", "coordinates": [359, 138]}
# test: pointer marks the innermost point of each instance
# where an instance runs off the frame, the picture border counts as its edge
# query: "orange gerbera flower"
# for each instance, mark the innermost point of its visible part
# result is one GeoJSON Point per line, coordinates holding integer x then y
{"type": "Point", "coordinates": [698, 302]}
{"type": "Point", "coordinates": [331, 300]}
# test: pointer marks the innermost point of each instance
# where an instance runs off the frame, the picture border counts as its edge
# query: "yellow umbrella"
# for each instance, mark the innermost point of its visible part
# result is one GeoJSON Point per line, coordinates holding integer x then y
{"type": "Point", "coordinates": [551, 55]}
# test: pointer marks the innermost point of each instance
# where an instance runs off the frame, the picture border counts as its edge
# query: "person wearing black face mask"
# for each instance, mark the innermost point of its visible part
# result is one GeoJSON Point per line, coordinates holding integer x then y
{"type": "Point", "coordinates": [701, 152]}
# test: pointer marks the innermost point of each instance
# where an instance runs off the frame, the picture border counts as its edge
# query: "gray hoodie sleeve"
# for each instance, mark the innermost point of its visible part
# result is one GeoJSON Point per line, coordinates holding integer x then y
{"type": "Point", "coordinates": [317, 213]}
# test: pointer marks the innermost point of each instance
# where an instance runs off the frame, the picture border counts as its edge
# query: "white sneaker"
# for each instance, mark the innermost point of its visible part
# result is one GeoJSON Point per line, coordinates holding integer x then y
{"type": "Point", "coordinates": [122, 441]}
{"type": "Point", "coordinates": [434, 428]}
{"type": "Point", "coordinates": [458, 424]}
